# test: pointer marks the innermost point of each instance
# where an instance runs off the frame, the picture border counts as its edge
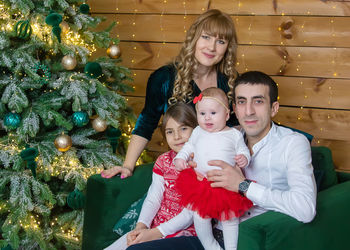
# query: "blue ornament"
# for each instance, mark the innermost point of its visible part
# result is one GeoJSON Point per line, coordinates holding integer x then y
{"type": "Point", "coordinates": [12, 120]}
{"type": "Point", "coordinates": [80, 118]}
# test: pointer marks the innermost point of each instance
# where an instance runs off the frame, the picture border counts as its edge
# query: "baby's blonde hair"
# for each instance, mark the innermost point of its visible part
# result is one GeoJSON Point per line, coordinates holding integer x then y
{"type": "Point", "coordinates": [217, 94]}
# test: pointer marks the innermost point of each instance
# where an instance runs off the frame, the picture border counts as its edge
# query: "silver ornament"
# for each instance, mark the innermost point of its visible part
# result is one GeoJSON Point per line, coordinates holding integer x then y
{"type": "Point", "coordinates": [63, 142]}
{"type": "Point", "coordinates": [99, 124]}
{"type": "Point", "coordinates": [114, 51]}
{"type": "Point", "coordinates": [69, 62]}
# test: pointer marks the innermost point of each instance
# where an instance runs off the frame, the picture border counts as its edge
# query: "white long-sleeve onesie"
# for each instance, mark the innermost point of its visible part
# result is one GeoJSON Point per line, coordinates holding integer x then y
{"type": "Point", "coordinates": [223, 145]}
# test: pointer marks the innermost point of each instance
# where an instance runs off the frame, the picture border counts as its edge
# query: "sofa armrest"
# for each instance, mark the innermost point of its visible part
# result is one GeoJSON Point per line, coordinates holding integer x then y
{"type": "Point", "coordinates": [107, 200]}
{"type": "Point", "coordinates": [343, 176]}
{"type": "Point", "coordinates": [328, 230]}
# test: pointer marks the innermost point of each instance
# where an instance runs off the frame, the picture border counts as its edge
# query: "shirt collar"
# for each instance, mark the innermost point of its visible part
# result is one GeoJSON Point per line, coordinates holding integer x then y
{"type": "Point", "coordinates": [260, 144]}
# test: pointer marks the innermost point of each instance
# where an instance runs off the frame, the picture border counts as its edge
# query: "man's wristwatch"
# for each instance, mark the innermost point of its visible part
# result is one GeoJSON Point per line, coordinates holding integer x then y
{"type": "Point", "coordinates": [243, 186]}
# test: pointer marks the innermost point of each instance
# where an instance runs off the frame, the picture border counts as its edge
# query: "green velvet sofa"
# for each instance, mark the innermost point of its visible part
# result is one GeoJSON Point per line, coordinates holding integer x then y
{"type": "Point", "coordinates": [108, 199]}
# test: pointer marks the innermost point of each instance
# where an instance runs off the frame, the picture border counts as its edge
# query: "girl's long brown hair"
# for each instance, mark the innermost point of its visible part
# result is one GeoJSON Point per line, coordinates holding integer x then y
{"type": "Point", "coordinates": [182, 113]}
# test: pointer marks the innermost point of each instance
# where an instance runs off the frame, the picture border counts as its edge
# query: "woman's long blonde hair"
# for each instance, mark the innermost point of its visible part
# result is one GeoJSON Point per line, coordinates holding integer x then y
{"type": "Point", "coordinates": [214, 23]}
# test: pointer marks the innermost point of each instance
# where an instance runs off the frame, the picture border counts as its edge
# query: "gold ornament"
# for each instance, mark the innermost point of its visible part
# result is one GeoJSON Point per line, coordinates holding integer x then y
{"type": "Point", "coordinates": [99, 124]}
{"type": "Point", "coordinates": [114, 51]}
{"type": "Point", "coordinates": [64, 27]}
{"type": "Point", "coordinates": [69, 62]}
{"type": "Point", "coordinates": [63, 143]}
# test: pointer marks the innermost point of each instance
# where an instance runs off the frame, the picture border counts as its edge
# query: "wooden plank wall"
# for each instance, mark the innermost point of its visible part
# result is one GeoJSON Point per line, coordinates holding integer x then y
{"type": "Point", "coordinates": [310, 60]}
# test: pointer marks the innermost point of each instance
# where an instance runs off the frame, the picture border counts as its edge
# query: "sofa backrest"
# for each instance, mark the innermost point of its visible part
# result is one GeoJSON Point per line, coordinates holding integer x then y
{"type": "Point", "coordinates": [324, 171]}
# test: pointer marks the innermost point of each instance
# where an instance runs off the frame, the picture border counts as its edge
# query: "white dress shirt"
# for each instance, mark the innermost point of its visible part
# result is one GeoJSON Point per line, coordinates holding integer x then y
{"type": "Point", "coordinates": [283, 176]}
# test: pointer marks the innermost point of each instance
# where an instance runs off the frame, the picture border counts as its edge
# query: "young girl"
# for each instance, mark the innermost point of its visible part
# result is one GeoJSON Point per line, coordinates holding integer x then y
{"type": "Point", "coordinates": [212, 140]}
{"type": "Point", "coordinates": [163, 202]}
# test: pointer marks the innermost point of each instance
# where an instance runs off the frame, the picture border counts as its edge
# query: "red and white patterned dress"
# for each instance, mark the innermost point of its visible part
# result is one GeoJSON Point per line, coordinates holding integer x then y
{"type": "Point", "coordinates": [170, 205]}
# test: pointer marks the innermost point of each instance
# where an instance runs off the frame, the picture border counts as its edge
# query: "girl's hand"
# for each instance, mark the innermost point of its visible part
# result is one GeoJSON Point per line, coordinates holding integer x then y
{"type": "Point", "coordinates": [144, 235]}
{"type": "Point", "coordinates": [131, 236]}
{"type": "Point", "coordinates": [180, 164]}
{"type": "Point", "coordinates": [241, 161]}
{"type": "Point", "coordinates": [124, 172]}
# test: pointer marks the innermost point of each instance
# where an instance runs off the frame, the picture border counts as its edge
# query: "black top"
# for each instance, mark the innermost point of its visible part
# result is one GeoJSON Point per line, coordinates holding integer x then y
{"type": "Point", "coordinates": [159, 90]}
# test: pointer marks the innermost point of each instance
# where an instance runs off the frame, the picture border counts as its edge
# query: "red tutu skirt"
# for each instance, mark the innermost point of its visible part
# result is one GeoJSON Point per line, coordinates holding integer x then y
{"type": "Point", "coordinates": [209, 202]}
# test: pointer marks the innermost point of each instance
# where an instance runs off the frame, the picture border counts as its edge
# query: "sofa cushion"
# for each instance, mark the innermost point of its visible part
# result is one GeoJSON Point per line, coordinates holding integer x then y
{"type": "Point", "coordinates": [319, 174]}
{"type": "Point", "coordinates": [276, 231]}
{"type": "Point", "coordinates": [128, 222]}
{"type": "Point", "coordinates": [324, 172]}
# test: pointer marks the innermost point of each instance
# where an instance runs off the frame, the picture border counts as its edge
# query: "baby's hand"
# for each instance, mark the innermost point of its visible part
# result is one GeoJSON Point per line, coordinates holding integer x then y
{"type": "Point", "coordinates": [180, 164]}
{"type": "Point", "coordinates": [241, 161]}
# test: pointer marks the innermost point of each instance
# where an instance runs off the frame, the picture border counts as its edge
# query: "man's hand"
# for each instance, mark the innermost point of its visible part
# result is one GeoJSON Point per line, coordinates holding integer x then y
{"type": "Point", "coordinates": [241, 161]}
{"type": "Point", "coordinates": [143, 235]}
{"type": "Point", "coordinates": [228, 177]}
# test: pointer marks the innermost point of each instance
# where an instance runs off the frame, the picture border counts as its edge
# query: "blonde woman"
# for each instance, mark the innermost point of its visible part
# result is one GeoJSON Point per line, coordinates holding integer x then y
{"type": "Point", "coordinates": [206, 59]}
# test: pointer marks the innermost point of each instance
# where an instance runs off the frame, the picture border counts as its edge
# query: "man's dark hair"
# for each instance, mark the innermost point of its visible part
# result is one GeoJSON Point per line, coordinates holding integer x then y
{"type": "Point", "coordinates": [257, 77]}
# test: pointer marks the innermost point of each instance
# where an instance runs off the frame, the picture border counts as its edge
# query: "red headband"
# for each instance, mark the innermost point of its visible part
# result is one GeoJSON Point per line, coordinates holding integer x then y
{"type": "Point", "coordinates": [198, 98]}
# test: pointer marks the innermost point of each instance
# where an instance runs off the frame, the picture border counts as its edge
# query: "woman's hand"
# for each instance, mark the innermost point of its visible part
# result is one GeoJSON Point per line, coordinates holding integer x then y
{"type": "Point", "coordinates": [142, 235]}
{"type": "Point", "coordinates": [123, 171]}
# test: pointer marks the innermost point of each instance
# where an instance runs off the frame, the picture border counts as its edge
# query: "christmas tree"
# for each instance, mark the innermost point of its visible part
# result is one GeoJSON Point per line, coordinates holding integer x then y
{"type": "Point", "coordinates": [61, 116]}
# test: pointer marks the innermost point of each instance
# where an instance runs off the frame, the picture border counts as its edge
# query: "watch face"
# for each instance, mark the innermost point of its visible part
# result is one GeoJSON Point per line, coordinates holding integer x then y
{"type": "Point", "coordinates": [243, 186]}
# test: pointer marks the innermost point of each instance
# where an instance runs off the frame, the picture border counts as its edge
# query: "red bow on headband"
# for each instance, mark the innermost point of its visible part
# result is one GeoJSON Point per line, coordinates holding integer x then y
{"type": "Point", "coordinates": [198, 98]}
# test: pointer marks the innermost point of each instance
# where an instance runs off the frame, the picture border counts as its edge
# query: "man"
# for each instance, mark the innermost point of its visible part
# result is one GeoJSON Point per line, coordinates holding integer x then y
{"type": "Point", "coordinates": [281, 159]}
{"type": "Point", "coordinates": [280, 175]}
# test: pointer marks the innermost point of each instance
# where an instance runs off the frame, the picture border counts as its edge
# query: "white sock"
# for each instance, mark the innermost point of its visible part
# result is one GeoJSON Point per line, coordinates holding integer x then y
{"type": "Point", "coordinates": [204, 232]}
{"type": "Point", "coordinates": [230, 233]}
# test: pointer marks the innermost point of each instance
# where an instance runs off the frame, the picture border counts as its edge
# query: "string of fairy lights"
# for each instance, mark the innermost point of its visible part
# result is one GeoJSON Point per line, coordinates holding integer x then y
{"type": "Point", "coordinates": [43, 31]}
{"type": "Point", "coordinates": [241, 7]}
{"type": "Point", "coordinates": [61, 164]}
{"type": "Point", "coordinates": [60, 167]}
{"type": "Point", "coordinates": [162, 29]}
{"type": "Point", "coordinates": [303, 113]}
